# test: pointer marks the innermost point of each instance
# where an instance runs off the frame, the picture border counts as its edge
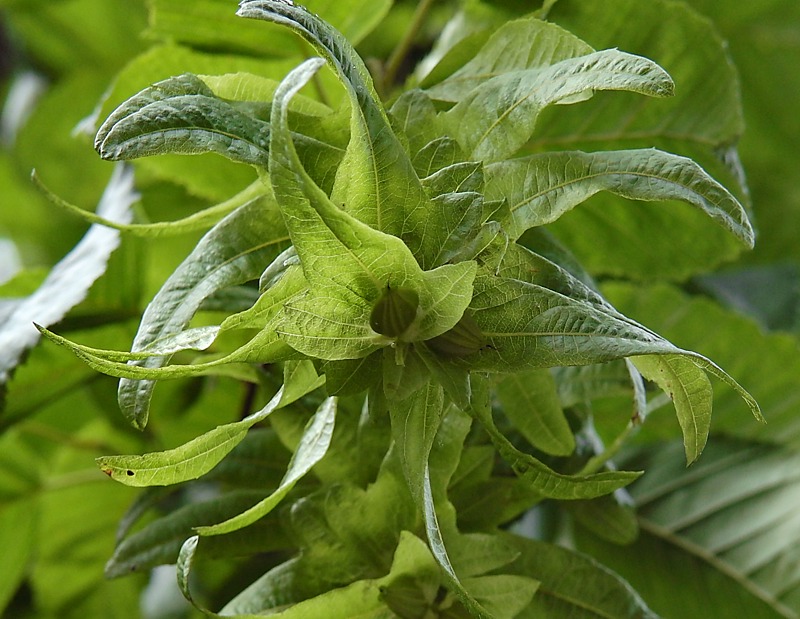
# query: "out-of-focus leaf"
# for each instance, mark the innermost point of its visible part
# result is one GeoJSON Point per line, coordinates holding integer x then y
{"type": "Point", "coordinates": [725, 532]}
{"type": "Point", "coordinates": [573, 585]}
{"type": "Point", "coordinates": [68, 282]}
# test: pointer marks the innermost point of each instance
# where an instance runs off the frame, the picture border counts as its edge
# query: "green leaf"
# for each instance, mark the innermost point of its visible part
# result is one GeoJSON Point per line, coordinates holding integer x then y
{"type": "Point", "coordinates": [766, 362]}
{"type": "Point", "coordinates": [436, 544]}
{"type": "Point", "coordinates": [573, 584]}
{"type": "Point", "coordinates": [158, 542]}
{"type": "Point", "coordinates": [530, 401]}
{"type": "Point", "coordinates": [17, 536]}
{"type": "Point", "coordinates": [495, 119]}
{"type": "Point", "coordinates": [541, 188]}
{"type": "Point", "coordinates": [232, 252]}
{"type": "Point", "coordinates": [520, 44]}
{"type": "Point", "coordinates": [313, 446]}
{"type": "Point", "coordinates": [415, 421]}
{"type": "Point", "coordinates": [189, 461]}
{"type": "Point", "coordinates": [376, 182]}
{"type": "Point", "coordinates": [542, 479]}
{"type": "Point", "coordinates": [69, 281]}
{"type": "Point", "coordinates": [349, 266]}
{"type": "Point", "coordinates": [723, 531]}
{"type": "Point", "coordinates": [689, 389]}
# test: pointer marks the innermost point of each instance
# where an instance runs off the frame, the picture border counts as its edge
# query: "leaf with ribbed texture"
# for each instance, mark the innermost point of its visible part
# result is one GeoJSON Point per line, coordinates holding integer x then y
{"type": "Point", "coordinates": [541, 188]}
{"type": "Point", "coordinates": [703, 121]}
{"type": "Point", "coordinates": [376, 182]}
{"type": "Point", "coordinates": [232, 252]}
{"type": "Point", "coordinates": [185, 115]}
{"type": "Point", "coordinates": [496, 119]}
{"type": "Point", "coordinates": [530, 401]}
{"type": "Point", "coordinates": [541, 478]}
{"type": "Point", "coordinates": [573, 585]}
{"type": "Point", "coordinates": [768, 363]}
{"type": "Point", "coordinates": [516, 45]}
{"type": "Point", "coordinates": [349, 265]}
{"type": "Point", "coordinates": [69, 281]}
{"type": "Point", "coordinates": [313, 446]}
{"type": "Point", "coordinates": [725, 532]}
{"type": "Point", "coordinates": [415, 422]}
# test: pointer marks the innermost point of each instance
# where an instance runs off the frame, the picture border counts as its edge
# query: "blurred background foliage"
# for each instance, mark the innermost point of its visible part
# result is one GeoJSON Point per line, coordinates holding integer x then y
{"type": "Point", "coordinates": [64, 63]}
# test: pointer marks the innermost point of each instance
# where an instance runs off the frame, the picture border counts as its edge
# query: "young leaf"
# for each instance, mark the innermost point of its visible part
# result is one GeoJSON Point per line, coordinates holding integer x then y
{"type": "Point", "coordinates": [541, 188]}
{"type": "Point", "coordinates": [542, 479]}
{"type": "Point", "coordinates": [498, 117]}
{"type": "Point", "coordinates": [69, 281]}
{"type": "Point", "coordinates": [415, 421]}
{"type": "Point", "coordinates": [189, 461]}
{"type": "Point", "coordinates": [689, 389]}
{"type": "Point", "coordinates": [376, 182]}
{"type": "Point", "coordinates": [313, 446]}
{"type": "Point", "coordinates": [349, 265]}
{"type": "Point", "coordinates": [530, 401]}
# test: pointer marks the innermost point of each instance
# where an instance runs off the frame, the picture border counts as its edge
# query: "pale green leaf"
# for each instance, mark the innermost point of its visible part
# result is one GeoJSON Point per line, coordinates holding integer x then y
{"type": "Point", "coordinates": [189, 461]}
{"type": "Point", "coordinates": [436, 544]}
{"type": "Point", "coordinates": [415, 421]}
{"type": "Point", "coordinates": [690, 391]}
{"type": "Point", "coordinates": [498, 117]}
{"type": "Point", "coordinates": [530, 401]}
{"type": "Point", "coordinates": [313, 446]}
{"type": "Point", "coordinates": [349, 265]}
{"type": "Point", "coordinates": [541, 188]}
{"type": "Point", "coordinates": [504, 596]}
{"type": "Point", "coordinates": [17, 537]}
{"type": "Point", "coordinates": [232, 252]}
{"type": "Point", "coordinates": [519, 44]}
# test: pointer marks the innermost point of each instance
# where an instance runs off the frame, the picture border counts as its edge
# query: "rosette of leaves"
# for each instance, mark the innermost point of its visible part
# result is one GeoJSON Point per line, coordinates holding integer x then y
{"type": "Point", "coordinates": [412, 297]}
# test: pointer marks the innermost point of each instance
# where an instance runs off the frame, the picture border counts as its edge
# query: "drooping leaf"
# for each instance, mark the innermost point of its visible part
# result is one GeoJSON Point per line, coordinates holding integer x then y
{"type": "Point", "coordinates": [313, 446]}
{"type": "Point", "coordinates": [232, 252]}
{"type": "Point", "coordinates": [541, 188]}
{"type": "Point", "coordinates": [69, 281]}
{"type": "Point", "coordinates": [517, 45]}
{"type": "Point", "coordinates": [541, 478]}
{"type": "Point", "coordinates": [495, 119]}
{"type": "Point", "coordinates": [189, 461]}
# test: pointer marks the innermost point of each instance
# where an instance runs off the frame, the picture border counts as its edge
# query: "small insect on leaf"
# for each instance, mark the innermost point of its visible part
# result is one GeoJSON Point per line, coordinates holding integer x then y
{"type": "Point", "coordinates": [394, 312]}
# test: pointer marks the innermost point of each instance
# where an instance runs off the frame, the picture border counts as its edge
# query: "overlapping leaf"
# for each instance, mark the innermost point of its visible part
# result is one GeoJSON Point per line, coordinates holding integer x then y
{"type": "Point", "coordinates": [541, 188]}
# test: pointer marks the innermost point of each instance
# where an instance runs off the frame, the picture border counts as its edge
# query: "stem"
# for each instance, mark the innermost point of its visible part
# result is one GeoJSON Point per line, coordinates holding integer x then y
{"type": "Point", "coordinates": [57, 436]}
{"type": "Point", "coordinates": [400, 52]}
{"type": "Point", "coordinates": [597, 462]}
